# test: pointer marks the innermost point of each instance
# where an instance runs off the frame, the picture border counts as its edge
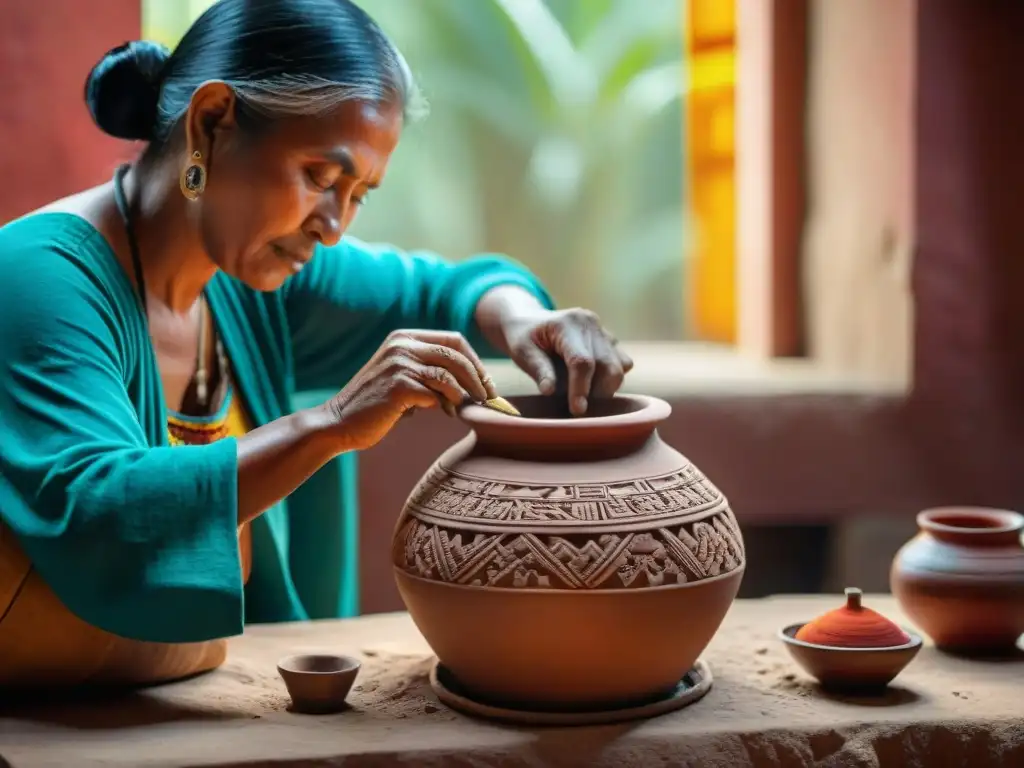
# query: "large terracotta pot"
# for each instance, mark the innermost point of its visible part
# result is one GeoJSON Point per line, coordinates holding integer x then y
{"type": "Point", "coordinates": [565, 562]}
{"type": "Point", "coordinates": [961, 579]}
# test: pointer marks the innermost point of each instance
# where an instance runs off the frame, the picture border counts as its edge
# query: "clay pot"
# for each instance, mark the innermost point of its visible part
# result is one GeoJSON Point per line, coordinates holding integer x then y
{"type": "Point", "coordinates": [961, 579]}
{"type": "Point", "coordinates": [558, 562]}
{"type": "Point", "coordinates": [852, 626]}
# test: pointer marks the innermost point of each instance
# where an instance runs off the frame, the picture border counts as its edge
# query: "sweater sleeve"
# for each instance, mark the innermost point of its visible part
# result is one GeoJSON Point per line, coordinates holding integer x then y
{"type": "Point", "coordinates": [343, 305]}
{"type": "Point", "coordinates": [140, 541]}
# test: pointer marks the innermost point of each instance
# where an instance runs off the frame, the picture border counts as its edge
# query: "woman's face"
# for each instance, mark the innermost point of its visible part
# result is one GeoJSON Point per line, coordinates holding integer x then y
{"type": "Point", "coordinates": [270, 200]}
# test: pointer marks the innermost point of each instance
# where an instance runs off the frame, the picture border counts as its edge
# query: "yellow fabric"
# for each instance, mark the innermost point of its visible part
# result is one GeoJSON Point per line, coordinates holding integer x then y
{"type": "Point", "coordinates": [42, 643]}
{"type": "Point", "coordinates": [237, 421]}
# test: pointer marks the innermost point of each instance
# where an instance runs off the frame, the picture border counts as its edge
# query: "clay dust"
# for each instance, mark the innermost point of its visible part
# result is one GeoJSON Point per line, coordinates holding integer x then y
{"type": "Point", "coordinates": [397, 685]}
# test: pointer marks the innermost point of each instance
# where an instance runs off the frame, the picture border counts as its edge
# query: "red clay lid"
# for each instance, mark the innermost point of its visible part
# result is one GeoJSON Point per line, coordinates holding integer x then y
{"type": "Point", "coordinates": [852, 626]}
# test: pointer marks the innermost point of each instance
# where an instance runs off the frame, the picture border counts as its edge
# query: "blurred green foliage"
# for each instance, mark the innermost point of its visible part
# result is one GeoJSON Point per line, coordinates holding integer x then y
{"type": "Point", "coordinates": [555, 135]}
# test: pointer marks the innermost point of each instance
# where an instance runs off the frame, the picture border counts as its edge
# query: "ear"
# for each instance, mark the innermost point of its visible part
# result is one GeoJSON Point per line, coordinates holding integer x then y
{"type": "Point", "coordinates": [210, 120]}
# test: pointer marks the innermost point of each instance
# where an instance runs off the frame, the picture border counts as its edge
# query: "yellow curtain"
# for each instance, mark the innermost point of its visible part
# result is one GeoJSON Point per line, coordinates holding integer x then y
{"type": "Point", "coordinates": [710, 34]}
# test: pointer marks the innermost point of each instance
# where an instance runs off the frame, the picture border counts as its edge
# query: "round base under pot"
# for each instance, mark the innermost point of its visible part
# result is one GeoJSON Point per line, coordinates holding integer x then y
{"type": "Point", "coordinates": [694, 685]}
{"type": "Point", "coordinates": [567, 649]}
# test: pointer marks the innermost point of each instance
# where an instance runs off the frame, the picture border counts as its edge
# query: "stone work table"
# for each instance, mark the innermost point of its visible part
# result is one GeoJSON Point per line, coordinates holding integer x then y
{"type": "Point", "coordinates": [762, 711]}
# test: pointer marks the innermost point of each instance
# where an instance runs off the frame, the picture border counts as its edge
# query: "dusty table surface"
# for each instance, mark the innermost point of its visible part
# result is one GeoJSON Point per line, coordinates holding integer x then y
{"type": "Point", "coordinates": [762, 711]}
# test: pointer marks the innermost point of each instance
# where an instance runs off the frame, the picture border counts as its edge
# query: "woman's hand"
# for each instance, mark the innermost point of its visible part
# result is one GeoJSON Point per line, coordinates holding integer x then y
{"type": "Point", "coordinates": [564, 350]}
{"type": "Point", "coordinates": [567, 350]}
{"type": "Point", "coordinates": [412, 369]}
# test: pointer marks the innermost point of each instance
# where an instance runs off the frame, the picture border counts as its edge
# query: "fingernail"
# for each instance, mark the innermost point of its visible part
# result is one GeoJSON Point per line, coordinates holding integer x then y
{"type": "Point", "coordinates": [547, 387]}
{"type": "Point", "coordinates": [580, 405]}
{"type": "Point", "coordinates": [488, 383]}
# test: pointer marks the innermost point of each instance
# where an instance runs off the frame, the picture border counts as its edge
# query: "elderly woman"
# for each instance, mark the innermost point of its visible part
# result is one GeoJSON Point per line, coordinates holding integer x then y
{"type": "Point", "coordinates": [155, 328]}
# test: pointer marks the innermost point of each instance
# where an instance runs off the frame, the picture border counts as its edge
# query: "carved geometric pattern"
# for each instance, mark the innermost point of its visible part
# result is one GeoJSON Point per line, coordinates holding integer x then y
{"type": "Point", "coordinates": [443, 496]}
{"type": "Point", "coordinates": [683, 553]}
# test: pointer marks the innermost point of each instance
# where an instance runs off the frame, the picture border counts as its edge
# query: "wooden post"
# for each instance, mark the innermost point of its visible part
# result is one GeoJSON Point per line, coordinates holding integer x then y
{"type": "Point", "coordinates": [860, 232]}
{"type": "Point", "coordinates": [770, 147]}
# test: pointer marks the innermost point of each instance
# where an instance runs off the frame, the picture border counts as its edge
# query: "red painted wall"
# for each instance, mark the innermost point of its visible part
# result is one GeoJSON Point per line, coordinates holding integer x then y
{"type": "Point", "coordinates": [968, 276]}
{"type": "Point", "coordinates": [49, 146]}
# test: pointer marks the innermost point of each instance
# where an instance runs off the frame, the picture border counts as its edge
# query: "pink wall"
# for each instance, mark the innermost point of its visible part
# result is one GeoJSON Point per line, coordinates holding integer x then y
{"type": "Point", "coordinates": [50, 146]}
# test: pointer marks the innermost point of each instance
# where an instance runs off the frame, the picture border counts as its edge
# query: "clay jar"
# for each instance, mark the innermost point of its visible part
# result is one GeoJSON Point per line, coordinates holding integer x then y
{"type": "Point", "coordinates": [961, 579]}
{"type": "Point", "coordinates": [560, 562]}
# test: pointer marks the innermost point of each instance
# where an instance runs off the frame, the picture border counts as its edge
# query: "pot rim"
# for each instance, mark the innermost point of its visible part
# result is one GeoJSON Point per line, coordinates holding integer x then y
{"type": "Point", "coordinates": [1000, 520]}
{"type": "Point", "coordinates": [652, 411]}
{"type": "Point", "coordinates": [291, 665]}
{"type": "Point", "coordinates": [555, 592]}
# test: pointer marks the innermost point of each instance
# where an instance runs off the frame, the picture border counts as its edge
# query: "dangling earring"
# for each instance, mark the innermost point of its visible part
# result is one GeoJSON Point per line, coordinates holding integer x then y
{"type": "Point", "coordinates": [193, 178]}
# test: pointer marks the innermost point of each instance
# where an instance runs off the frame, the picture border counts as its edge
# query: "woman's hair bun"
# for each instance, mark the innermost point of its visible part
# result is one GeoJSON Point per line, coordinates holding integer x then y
{"type": "Point", "coordinates": [123, 89]}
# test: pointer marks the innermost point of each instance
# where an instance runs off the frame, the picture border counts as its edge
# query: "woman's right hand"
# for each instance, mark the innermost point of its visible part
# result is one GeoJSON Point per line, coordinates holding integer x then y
{"type": "Point", "coordinates": [411, 369]}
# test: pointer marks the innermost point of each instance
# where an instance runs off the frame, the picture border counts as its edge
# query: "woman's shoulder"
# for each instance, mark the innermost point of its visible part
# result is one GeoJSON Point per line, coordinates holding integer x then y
{"type": "Point", "coordinates": [51, 230]}
{"type": "Point", "coordinates": [67, 226]}
{"type": "Point", "coordinates": [54, 243]}
{"type": "Point", "coordinates": [58, 261]}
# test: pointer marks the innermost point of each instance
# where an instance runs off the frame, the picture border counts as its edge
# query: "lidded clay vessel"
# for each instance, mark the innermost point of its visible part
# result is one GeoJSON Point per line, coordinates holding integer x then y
{"type": "Point", "coordinates": [852, 626]}
{"type": "Point", "coordinates": [961, 579]}
{"type": "Point", "coordinates": [560, 562]}
{"type": "Point", "coordinates": [852, 648]}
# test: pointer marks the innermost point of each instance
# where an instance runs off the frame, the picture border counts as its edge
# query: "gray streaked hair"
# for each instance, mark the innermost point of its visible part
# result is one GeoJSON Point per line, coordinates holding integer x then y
{"type": "Point", "coordinates": [281, 57]}
{"type": "Point", "coordinates": [298, 95]}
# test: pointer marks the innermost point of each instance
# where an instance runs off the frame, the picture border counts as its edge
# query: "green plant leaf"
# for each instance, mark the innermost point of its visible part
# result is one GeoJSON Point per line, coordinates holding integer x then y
{"type": "Point", "coordinates": [569, 78]}
{"type": "Point", "coordinates": [623, 29]}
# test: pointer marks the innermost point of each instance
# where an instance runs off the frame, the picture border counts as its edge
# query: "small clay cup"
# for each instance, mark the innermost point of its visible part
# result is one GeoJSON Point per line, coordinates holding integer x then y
{"type": "Point", "coordinates": [318, 683]}
{"type": "Point", "coordinates": [851, 670]}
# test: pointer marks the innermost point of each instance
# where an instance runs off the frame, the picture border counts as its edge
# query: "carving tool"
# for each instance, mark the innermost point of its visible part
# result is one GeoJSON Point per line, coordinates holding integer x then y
{"type": "Point", "coordinates": [502, 405]}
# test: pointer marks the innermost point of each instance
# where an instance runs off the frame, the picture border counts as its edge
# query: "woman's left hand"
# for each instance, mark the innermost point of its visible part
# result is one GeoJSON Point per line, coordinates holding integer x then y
{"type": "Point", "coordinates": [594, 366]}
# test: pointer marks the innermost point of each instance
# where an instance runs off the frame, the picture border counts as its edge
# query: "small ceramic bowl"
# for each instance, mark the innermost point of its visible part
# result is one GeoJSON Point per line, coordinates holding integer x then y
{"type": "Point", "coordinates": [318, 683]}
{"type": "Point", "coordinates": [850, 669]}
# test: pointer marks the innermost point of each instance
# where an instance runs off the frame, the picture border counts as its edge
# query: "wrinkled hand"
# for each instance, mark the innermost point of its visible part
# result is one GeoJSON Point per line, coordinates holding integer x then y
{"type": "Point", "coordinates": [568, 350]}
{"type": "Point", "coordinates": [411, 369]}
